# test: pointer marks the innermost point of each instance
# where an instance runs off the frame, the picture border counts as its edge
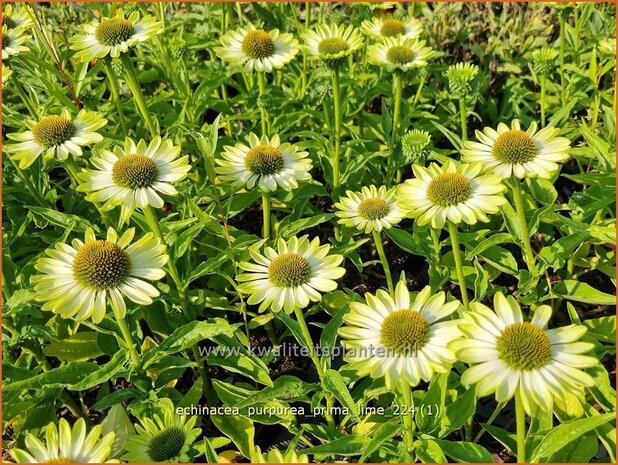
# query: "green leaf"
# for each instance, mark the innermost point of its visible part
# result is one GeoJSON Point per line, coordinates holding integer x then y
{"type": "Point", "coordinates": [80, 346]}
{"type": "Point", "coordinates": [581, 450]}
{"type": "Point", "coordinates": [63, 220]}
{"type": "Point", "coordinates": [465, 452]}
{"type": "Point", "coordinates": [384, 432]}
{"type": "Point", "coordinates": [428, 451]}
{"type": "Point", "coordinates": [283, 388]}
{"type": "Point", "coordinates": [569, 431]}
{"type": "Point", "coordinates": [239, 429]}
{"type": "Point", "coordinates": [451, 136]}
{"type": "Point", "coordinates": [333, 382]}
{"type": "Point", "coordinates": [457, 413]}
{"type": "Point", "coordinates": [501, 259]}
{"type": "Point", "coordinates": [118, 422]}
{"type": "Point", "coordinates": [209, 452]}
{"type": "Point", "coordinates": [105, 372]}
{"type": "Point", "coordinates": [251, 367]}
{"type": "Point", "coordinates": [582, 292]}
{"type": "Point", "coordinates": [346, 446]}
{"type": "Point", "coordinates": [404, 241]}
{"type": "Point", "coordinates": [64, 376]}
{"type": "Point", "coordinates": [556, 254]}
{"type": "Point", "coordinates": [305, 223]}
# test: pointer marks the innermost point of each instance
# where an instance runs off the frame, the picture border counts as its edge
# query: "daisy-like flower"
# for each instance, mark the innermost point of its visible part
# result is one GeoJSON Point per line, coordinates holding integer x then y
{"type": "Point", "coordinates": [17, 17]}
{"type": "Point", "coordinates": [77, 280]}
{"type": "Point", "coordinates": [399, 53]}
{"type": "Point", "coordinates": [64, 444]}
{"type": "Point", "coordinates": [382, 27]}
{"type": "Point", "coordinates": [453, 193]}
{"type": "Point", "coordinates": [291, 276]}
{"type": "Point", "coordinates": [512, 151]}
{"type": "Point", "coordinates": [167, 437]}
{"type": "Point", "coordinates": [276, 456]}
{"type": "Point", "coordinates": [332, 43]}
{"type": "Point", "coordinates": [371, 209]}
{"type": "Point", "coordinates": [56, 135]}
{"type": "Point", "coordinates": [266, 163]}
{"type": "Point", "coordinates": [399, 339]}
{"type": "Point", "coordinates": [511, 354]}
{"type": "Point", "coordinates": [12, 41]}
{"type": "Point", "coordinates": [133, 176]}
{"type": "Point", "coordinates": [113, 36]}
{"type": "Point", "coordinates": [256, 49]}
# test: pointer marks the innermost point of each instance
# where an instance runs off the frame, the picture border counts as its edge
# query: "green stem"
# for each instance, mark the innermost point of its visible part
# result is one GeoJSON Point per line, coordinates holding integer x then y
{"type": "Point", "coordinates": [387, 271]}
{"type": "Point", "coordinates": [29, 184]}
{"type": "Point", "coordinates": [17, 85]}
{"type": "Point", "coordinates": [153, 223]}
{"type": "Point", "coordinates": [316, 361]}
{"type": "Point", "coordinates": [417, 96]}
{"type": "Point", "coordinates": [397, 90]}
{"type": "Point", "coordinates": [128, 339]}
{"type": "Point", "coordinates": [452, 229]}
{"type": "Point", "coordinates": [562, 42]}
{"type": "Point", "coordinates": [113, 87]}
{"type": "Point", "coordinates": [464, 118]}
{"type": "Point", "coordinates": [266, 215]}
{"type": "Point", "coordinates": [520, 417]}
{"type": "Point", "coordinates": [262, 94]}
{"type": "Point", "coordinates": [523, 225]}
{"type": "Point", "coordinates": [408, 419]}
{"type": "Point", "coordinates": [543, 85]}
{"type": "Point", "coordinates": [305, 59]}
{"type": "Point", "coordinates": [337, 135]}
{"type": "Point", "coordinates": [595, 109]}
{"type": "Point", "coordinates": [131, 80]}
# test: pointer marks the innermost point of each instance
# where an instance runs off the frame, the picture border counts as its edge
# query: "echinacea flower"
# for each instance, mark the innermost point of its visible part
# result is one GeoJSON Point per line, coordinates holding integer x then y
{"type": "Point", "coordinates": [265, 163]}
{"type": "Point", "coordinates": [461, 77]}
{"type": "Point", "coordinates": [276, 456]}
{"type": "Point", "coordinates": [509, 354]}
{"type": "Point", "coordinates": [371, 209]}
{"type": "Point", "coordinates": [166, 437]}
{"type": "Point", "coordinates": [291, 276]}
{"type": "Point", "coordinates": [332, 43]}
{"type": "Point", "coordinates": [252, 49]}
{"type": "Point", "coordinates": [399, 53]}
{"type": "Point", "coordinates": [64, 444]}
{"type": "Point", "coordinates": [58, 135]}
{"type": "Point", "coordinates": [512, 151]}
{"type": "Point", "coordinates": [414, 145]}
{"type": "Point", "coordinates": [79, 280]}
{"type": "Point", "coordinates": [452, 193]}
{"type": "Point", "coordinates": [16, 17]}
{"type": "Point", "coordinates": [133, 176]}
{"type": "Point", "coordinates": [113, 36]}
{"type": "Point", "coordinates": [12, 41]}
{"type": "Point", "coordinates": [543, 60]}
{"type": "Point", "coordinates": [382, 27]}
{"type": "Point", "coordinates": [400, 339]}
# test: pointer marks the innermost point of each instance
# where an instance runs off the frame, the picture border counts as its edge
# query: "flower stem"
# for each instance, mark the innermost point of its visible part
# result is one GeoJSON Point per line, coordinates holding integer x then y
{"type": "Point", "coordinates": [17, 85]}
{"type": "Point", "coordinates": [303, 86]}
{"type": "Point", "coordinates": [262, 93]}
{"type": "Point", "coordinates": [151, 219]}
{"type": "Point", "coordinates": [543, 85]}
{"type": "Point", "coordinates": [387, 271]}
{"type": "Point", "coordinates": [266, 215]}
{"type": "Point", "coordinates": [128, 338]}
{"type": "Point", "coordinates": [452, 229]}
{"type": "Point", "coordinates": [316, 361]}
{"type": "Point", "coordinates": [113, 87]}
{"type": "Point", "coordinates": [520, 418]}
{"type": "Point", "coordinates": [562, 42]}
{"type": "Point", "coordinates": [397, 90]}
{"type": "Point", "coordinates": [417, 96]}
{"type": "Point", "coordinates": [463, 113]}
{"type": "Point", "coordinates": [337, 135]}
{"type": "Point", "coordinates": [408, 419]}
{"type": "Point", "coordinates": [131, 80]}
{"type": "Point", "coordinates": [523, 225]}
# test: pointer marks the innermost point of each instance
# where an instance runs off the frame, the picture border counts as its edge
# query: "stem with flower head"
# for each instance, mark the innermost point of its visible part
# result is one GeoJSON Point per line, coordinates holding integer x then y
{"type": "Point", "coordinates": [543, 85]}
{"type": "Point", "coordinates": [131, 79]}
{"type": "Point", "coordinates": [377, 238]}
{"type": "Point", "coordinates": [113, 87]}
{"type": "Point", "coordinates": [128, 338]}
{"type": "Point", "coordinates": [316, 361]}
{"type": "Point", "coordinates": [464, 118]}
{"type": "Point", "coordinates": [454, 234]}
{"type": "Point", "coordinates": [266, 215]}
{"type": "Point", "coordinates": [336, 154]}
{"type": "Point", "coordinates": [262, 94]}
{"type": "Point", "coordinates": [408, 419]}
{"type": "Point", "coordinates": [520, 420]}
{"type": "Point", "coordinates": [523, 225]}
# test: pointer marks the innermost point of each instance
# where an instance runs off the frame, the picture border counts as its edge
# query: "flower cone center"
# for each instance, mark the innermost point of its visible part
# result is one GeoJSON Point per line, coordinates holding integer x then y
{"type": "Point", "coordinates": [404, 332]}
{"type": "Point", "coordinates": [6, 40]}
{"type": "Point", "coordinates": [264, 160]}
{"type": "Point", "coordinates": [400, 54]}
{"type": "Point", "coordinates": [289, 270]}
{"type": "Point", "coordinates": [514, 147]}
{"type": "Point", "coordinates": [373, 209]}
{"type": "Point", "coordinates": [332, 46]}
{"type": "Point", "coordinates": [114, 31]}
{"type": "Point", "coordinates": [448, 189]}
{"type": "Point", "coordinates": [53, 130]}
{"type": "Point", "coordinates": [392, 27]}
{"type": "Point", "coordinates": [101, 265]}
{"type": "Point", "coordinates": [61, 460]}
{"type": "Point", "coordinates": [166, 445]}
{"type": "Point", "coordinates": [135, 171]}
{"type": "Point", "coordinates": [524, 346]}
{"type": "Point", "coordinates": [258, 44]}
{"type": "Point", "coordinates": [8, 22]}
